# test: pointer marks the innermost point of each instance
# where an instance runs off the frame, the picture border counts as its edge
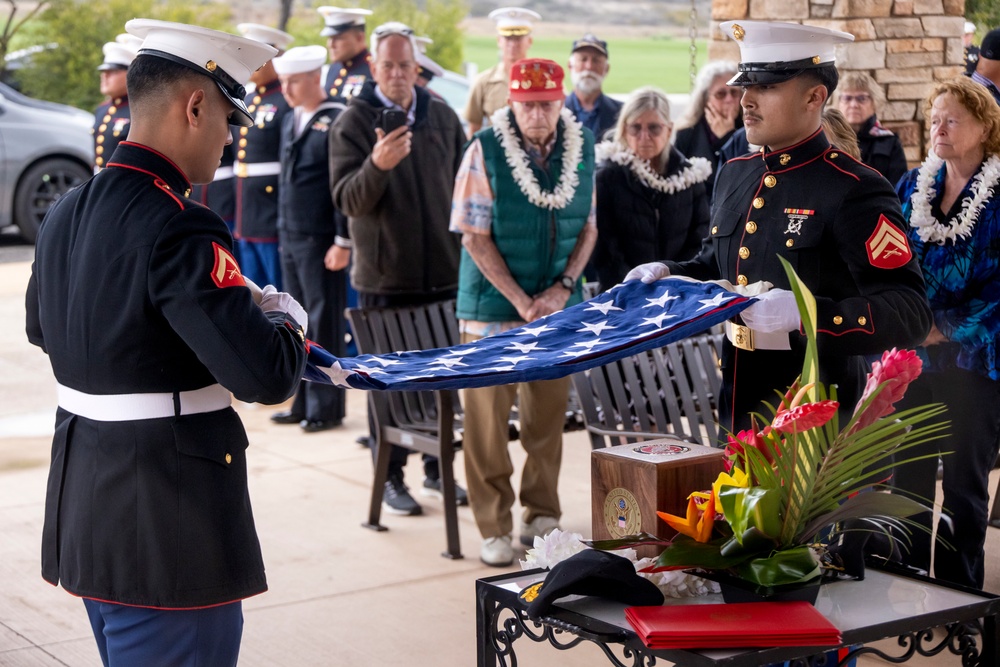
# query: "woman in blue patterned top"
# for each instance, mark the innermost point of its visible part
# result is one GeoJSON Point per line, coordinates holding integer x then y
{"type": "Point", "coordinates": [953, 208]}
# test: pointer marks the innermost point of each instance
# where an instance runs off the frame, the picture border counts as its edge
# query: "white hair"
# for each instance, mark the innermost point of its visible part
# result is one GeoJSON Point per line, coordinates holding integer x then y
{"type": "Point", "coordinates": [699, 96]}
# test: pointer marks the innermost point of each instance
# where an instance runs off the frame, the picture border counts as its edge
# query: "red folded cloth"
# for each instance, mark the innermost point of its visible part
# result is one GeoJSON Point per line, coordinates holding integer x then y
{"type": "Point", "coordinates": [738, 625]}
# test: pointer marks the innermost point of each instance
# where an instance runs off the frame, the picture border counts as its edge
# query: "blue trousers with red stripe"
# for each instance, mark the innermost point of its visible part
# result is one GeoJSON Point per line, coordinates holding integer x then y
{"type": "Point", "coordinates": [128, 636]}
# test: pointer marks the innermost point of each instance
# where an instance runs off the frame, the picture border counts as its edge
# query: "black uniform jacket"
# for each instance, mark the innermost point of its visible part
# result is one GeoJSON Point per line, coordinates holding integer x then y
{"type": "Point", "coordinates": [839, 224]}
{"type": "Point", "coordinates": [111, 121]}
{"type": "Point", "coordinates": [134, 290]}
{"type": "Point", "coordinates": [344, 79]}
{"type": "Point", "coordinates": [259, 145]}
{"type": "Point", "coordinates": [306, 205]}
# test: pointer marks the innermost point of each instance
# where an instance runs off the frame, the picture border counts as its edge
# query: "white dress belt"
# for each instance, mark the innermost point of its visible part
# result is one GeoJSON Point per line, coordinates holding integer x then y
{"type": "Point", "coordinates": [130, 407]}
{"type": "Point", "coordinates": [244, 170]}
{"type": "Point", "coordinates": [222, 173]}
{"type": "Point", "coordinates": [748, 339]}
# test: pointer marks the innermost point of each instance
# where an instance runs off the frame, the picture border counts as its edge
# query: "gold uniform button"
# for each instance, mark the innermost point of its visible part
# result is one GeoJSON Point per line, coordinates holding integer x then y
{"type": "Point", "coordinates": [715, 230]}
{"type": "Point", "coordinates": [770, 181]}
{"type": "Point", "coordinates": [744, 252]}
{"type": "Point", "coordinates": [99, 161]}
{"type": "Point", "coordinates": [118, 100]}
{"type": "Point", "coordinates": [261, 89]}
{"type": "Point", "coordinates": [243, 131]}
{"type": "Point", "coordinates": [100, 138]}
{"type": "Point", "coordinates": [789, 243]}
{"type": "Point", "coordinates": [252, 108]}
{"type": "Point", "coordinates": [784, 159]}
{"type": "Point", "coordinates": [99, 150]}
{"type": "Point", "coordinates": [112, 109]}
{"type": "Point", "coordinates": [741, 279]}
{"type": "Point", "coordinates": [256, 100]}
{"type": "Point", "coordinates": [833, 156]}
{"type": "Point", "coordinates": [107, 118]}
{"type": "Point", "coordinates": [229, 458]}
{"type": "Point", "coordinates": [333, 91]}
{"type": "Point", "coordinates": [751, 227]}
{"type": "Point", "coordinates": [758, 202]}
{"type": "Point", "coordinates": [269, 189]}
{"type": "Point", "coordinates": [115, 134]}
{"type": "Point", "coordinates": [241, 154]}
{"type": "Point", "coordinates": [103, 127]}
{"type": "Point", "coordinates": [343, 71]}
{"type": "Point", "coordinates": [243, 142]}
{"type": "Point", "coordinates": [862, 321]}
{"type": "Point", "coordinates": [187, 193]}
{"type": "Point", "coordinates": [838, 320]}
{"type": "Point", "coordinates": [338, 81]}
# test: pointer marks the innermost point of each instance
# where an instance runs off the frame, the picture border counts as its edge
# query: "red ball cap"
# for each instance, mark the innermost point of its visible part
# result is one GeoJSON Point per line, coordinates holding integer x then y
{"type": "Point", "coordinates": [536, 80]}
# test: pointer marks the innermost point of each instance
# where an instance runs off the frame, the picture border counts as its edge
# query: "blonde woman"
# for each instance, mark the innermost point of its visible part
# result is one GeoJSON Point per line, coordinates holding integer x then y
{"type": "Point", "coordinates": [652, 202]}
{"type": "Point", "coordinates": [860, 99]}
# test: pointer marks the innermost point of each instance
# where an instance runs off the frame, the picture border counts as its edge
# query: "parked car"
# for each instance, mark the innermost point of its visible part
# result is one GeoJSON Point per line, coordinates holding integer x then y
{"type": "Point", "coordinates": [45, 149]}
{"type": "Point", "coordinates": [454, 88]}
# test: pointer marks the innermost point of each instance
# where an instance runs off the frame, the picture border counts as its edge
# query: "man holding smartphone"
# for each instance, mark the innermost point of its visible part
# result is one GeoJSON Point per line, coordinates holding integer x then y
{"type": "Point", "coordinates": [394, 154]}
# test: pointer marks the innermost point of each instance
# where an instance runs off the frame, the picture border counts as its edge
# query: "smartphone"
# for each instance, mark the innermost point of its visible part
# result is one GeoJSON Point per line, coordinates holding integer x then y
{"type": "Point", "coordinates": [391, 119]}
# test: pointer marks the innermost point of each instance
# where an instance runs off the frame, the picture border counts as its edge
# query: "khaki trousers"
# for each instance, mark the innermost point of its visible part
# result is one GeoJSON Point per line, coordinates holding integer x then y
{"type": "Point", "coordinates": [488, 468]}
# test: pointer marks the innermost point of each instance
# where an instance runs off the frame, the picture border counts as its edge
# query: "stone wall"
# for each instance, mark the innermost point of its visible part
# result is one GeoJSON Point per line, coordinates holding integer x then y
{"type": "Point", "coordinates": [905, 45]}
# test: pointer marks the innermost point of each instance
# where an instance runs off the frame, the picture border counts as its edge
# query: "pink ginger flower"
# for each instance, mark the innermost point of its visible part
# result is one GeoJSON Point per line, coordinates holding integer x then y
{"type": "Point", "coordinates": [735, 444]}
{"type": "Point", "coordinates": [804, 417]}
{"type": "Point", "coordinates": [894, 372]}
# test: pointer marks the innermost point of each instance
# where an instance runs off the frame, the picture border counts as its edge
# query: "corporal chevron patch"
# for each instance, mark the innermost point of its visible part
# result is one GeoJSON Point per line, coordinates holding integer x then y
{"type": "Point", "coordinates": [887, 246]}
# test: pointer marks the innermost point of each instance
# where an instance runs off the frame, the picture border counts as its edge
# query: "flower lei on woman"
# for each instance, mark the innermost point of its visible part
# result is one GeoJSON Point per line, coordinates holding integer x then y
{"type": "Point", "coordinates": [697, 171]}
{"type": "Point", "coordinates": [928, 228]}
{"type": "Point", "coordinates": [520, 163]}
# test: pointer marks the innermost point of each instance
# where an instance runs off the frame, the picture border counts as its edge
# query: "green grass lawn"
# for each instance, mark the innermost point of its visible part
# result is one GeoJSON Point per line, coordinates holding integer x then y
{"type": "Point", "coordinates": [663, 61]}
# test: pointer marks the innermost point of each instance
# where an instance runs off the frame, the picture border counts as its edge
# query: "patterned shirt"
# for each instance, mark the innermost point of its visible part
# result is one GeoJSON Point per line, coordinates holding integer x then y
{"type": "Point", "coordinates": [963, 281]}
{"type": "Point", "coordinates": [990, 86]}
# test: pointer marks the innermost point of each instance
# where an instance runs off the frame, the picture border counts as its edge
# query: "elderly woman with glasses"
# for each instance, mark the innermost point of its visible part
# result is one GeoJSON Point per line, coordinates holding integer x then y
{"type": "Point", "coordinates": [713, 116]}
{"type": "Point", "coordinates": [952, 207]}
{"type": "Point", "coordinates": [652, 202]}
{"type": "Point", "coordinates": [859, 98]}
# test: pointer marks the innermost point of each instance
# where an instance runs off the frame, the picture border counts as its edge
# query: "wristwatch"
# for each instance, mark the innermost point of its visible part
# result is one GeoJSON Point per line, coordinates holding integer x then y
{"type": "Point", "coordinates": [566, 281]}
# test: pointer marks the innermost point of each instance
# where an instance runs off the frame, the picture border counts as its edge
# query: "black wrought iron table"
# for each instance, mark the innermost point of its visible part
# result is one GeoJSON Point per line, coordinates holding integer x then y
{"type": "Point", "coordinates": [890, 602]}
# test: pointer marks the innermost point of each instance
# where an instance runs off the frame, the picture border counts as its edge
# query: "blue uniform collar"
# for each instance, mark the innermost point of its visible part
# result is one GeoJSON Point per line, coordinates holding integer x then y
{"type": "Point", "coordinates": [130, 155]}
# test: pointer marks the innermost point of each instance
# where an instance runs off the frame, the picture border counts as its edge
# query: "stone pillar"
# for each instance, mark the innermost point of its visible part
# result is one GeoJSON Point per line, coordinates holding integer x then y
{"type": "Point", "coordinates": [905, 45]}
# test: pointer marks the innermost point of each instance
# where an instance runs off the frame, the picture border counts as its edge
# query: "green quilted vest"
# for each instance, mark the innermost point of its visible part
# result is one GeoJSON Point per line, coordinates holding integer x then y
{"type": "Point", "coordinates": [535, 242]}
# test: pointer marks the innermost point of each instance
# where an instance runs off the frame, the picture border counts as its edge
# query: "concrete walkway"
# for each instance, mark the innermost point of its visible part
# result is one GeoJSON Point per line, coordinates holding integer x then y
{"type": "Point", "coordinates": [339, 594]}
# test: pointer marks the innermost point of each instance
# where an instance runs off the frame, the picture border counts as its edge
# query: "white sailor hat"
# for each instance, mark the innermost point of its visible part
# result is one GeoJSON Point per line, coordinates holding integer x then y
{"type": "Point", "coordinates": [772, 52]}
{"type": "Point", "coordinates": [514, 21]}
{"type": "Point", "coordinates": [131, 41]}
{"type": "Point", "coordinates": [116, 57]}
{"type": "Point", "coordinates": [422, 43]}
{"type": "Point", "coordinates": [226, 59]}
{"type": "Point", "coordinates": [279, 39]}
{"type": "Point", "coordinates": [338, 20]}
{"type": "Point", "coordinates": [970, 28]}
{"type": "Point", "coordinates": [300, 59]}
{"type": "Point", "coordinates": [428, 68]}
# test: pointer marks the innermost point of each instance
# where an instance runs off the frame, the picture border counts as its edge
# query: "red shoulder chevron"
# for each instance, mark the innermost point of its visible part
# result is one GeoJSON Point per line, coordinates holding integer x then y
{"type": "Point", "coordinates": [887, 246]}
{"type": "Point", "coordinates": [226, 272]}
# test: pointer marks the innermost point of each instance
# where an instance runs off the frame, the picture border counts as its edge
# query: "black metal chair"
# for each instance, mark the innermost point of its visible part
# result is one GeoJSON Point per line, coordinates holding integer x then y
{"type": "Point", "coordinates": [668, 391]}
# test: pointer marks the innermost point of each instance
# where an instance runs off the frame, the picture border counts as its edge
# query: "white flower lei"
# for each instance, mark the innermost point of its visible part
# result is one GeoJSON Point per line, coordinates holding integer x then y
{"type": "Point", "coordinates": [520, 163]}
{"type": "Point", "coordinates": [697, 172]}
{"type": "Point", "coordinates": [921, 219]}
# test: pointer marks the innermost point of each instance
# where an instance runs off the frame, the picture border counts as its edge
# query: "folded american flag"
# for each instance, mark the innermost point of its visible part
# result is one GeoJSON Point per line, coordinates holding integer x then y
{"type": "Point", "coordinates": [629, 318]}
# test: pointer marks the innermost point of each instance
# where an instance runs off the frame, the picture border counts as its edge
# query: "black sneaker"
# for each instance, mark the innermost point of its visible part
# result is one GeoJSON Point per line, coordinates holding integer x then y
{"type": "Point", "coordinates": [396, 498]}
{"type": "Point", "coordinates": [432, 489]}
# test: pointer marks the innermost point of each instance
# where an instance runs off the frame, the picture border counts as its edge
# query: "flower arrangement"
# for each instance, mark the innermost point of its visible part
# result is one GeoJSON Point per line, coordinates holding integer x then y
{"type": "Point", "coordinates": [792, 482]}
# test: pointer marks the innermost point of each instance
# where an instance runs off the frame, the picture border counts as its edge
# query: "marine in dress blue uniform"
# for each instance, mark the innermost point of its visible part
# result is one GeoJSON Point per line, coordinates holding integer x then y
{"type": "Point", "coordinates": [308, 226]}
{"type": "Point", "coordinates": [351, 66]}
{"type": "Point", "coordinates": [834, 219]}
{"type": "Point", "coordinates": [258, 164]}
{"type": "Point", "coordinates": [112, 117]}
{"type": "Point", "coordinates": [148, 324]}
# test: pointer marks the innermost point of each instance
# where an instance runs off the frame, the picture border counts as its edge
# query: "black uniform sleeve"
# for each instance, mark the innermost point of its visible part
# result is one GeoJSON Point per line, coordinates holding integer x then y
{"type": "Point", "coordinates": [32, 322]}
{"type": "Point", "coordinates": [259, 357]}
{"type": "Point", "coordinates": [702, 267]}
{"type": "Point", "coordinates": [891, 308]}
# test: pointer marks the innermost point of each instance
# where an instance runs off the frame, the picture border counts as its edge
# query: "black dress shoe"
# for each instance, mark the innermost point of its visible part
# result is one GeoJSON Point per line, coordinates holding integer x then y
{"type": "Point", "coordinates": [286, 417]}
{"type": "Point", "coordinates": [317, 425]}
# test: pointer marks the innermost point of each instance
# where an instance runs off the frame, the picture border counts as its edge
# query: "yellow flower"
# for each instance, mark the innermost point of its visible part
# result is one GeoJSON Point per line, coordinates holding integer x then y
{"type": "Point", "coordinates": [738, 478]}
{"type": "Point", "coordinates": [693, 525]}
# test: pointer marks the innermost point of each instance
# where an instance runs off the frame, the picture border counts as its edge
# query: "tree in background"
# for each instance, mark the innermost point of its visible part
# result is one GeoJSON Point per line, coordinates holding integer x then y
{"type": "Point", "coordinates": [12, 26]}
{"type": "Point", "coordinates": [437, 19]}
{"type": "Point", "coordinates": [68, 74]}
{"type": "Point", "coordinates": [984, 13]}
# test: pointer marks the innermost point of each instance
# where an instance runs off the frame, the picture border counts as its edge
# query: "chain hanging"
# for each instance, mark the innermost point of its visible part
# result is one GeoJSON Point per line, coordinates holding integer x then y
{"type": "Point", "coordinates": [693, 34]}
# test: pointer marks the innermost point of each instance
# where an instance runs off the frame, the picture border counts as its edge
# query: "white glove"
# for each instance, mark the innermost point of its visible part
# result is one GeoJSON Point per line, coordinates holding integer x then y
{"type": "Point", "coordinates": [282, 302]}
{"type": "Point", "coordinates": [648, 273]}
{"type": "Point", "coordinates": [255, 291]}
{"type": "Point", "coordinates": [774, 311]}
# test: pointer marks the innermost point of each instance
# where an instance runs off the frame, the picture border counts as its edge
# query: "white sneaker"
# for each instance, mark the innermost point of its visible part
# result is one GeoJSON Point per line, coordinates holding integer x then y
{"type": "Point", "coordinates": [540, 526]}
{"type": "Point", "coordinates": [496, 551]}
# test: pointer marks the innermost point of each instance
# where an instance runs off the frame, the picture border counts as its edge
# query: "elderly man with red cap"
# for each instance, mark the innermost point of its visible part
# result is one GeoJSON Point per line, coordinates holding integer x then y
{"type": "Point", "coordinates": [524, 205]}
